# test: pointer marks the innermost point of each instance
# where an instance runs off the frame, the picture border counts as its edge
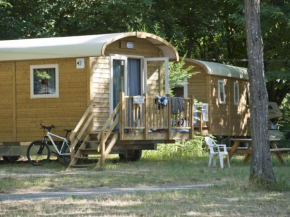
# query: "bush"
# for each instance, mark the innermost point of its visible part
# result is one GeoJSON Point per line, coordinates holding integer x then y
{"type": "Point", "coordinates": [182, 148]}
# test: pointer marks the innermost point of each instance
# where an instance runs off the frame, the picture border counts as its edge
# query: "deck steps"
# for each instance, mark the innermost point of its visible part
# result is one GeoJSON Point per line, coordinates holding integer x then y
{"type": "Point", "coordinates": [85, 154]}
{"type": "Point", "coordinates": [89, 151]}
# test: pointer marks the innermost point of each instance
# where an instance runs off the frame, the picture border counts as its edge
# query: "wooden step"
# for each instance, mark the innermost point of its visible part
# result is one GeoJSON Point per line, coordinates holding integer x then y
{"type": "Point", "coordinates": [96, 142]}
{"type": "Point", "coordinates": [88, 158]}
{"type": "Point", "coordinates": [94, 135]}
{"type": "Point", "coordinates": [93, 141]}
{"type": "Point", "coordinates": [89, 151]}
{"type": "Point", "coordinates": [83, 165]}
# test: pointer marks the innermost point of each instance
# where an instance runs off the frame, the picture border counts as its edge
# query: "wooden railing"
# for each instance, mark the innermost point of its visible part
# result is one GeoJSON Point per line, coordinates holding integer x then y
{"type": "Point", "coordinates": [106, 132]}
{"type": "Point", "coordinates": [153, 116]}
{"type": "Point", "coordinates": [81, 127]}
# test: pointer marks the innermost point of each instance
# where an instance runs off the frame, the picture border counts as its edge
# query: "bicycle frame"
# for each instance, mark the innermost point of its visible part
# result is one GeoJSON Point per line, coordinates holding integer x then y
{"type": "Point", "coordinates": [64, 142]}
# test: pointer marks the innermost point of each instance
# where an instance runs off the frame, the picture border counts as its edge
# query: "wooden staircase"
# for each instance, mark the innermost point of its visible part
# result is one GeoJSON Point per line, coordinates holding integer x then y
{"type": "Point", "coordinates": [96, 146]}
{"type": "Point", "coordinates": [89, 154]}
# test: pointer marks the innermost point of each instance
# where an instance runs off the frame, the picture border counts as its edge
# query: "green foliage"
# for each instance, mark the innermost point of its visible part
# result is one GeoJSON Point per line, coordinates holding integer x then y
{"type": "Point", "coordinates": [211, 29]}
{"type": "Point", "coordinates": [284, 121]}
{"type": "Point", "coordinates": [182, 148]}
{"type": "Point", "coordinates": [178, 74]}
{"type": "Point", "coordinates": [42, 74]}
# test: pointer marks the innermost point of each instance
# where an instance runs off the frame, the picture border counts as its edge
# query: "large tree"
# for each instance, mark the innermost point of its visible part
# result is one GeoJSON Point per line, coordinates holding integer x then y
{"type": "Point", "coordinates": [213, 29]}
{"type": "Point", "coordinates": [261, 166]}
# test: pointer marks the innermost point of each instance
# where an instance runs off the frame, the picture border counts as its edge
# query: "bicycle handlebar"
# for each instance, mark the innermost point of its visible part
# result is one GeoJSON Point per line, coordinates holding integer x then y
{"type": "Point", "coordinates": [47, 128]}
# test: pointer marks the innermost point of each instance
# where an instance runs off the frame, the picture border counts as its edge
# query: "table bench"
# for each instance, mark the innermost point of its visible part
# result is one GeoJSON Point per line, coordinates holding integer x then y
{"type": "Point", "coordinates": [235, 149]}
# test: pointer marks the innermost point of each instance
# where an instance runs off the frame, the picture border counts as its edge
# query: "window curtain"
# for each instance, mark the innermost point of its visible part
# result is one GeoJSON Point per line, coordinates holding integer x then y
{"type": "Point", "coordinates": [134, 77]}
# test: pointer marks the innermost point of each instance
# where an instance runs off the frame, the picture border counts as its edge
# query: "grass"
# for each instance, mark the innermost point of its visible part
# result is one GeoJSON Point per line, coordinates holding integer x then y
{"type": "Point", "coordinates": [234, 197]}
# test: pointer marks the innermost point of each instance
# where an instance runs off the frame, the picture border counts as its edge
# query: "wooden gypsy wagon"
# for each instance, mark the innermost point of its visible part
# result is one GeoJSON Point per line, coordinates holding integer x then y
{"type": "Point", "coordinates": [224, 91]}
{"type": "Point", "coordinates": [104, 87]}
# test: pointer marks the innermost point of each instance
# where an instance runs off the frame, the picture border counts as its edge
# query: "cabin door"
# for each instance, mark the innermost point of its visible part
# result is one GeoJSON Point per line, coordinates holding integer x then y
{"type": "Point", "coordinates": [126, 77]}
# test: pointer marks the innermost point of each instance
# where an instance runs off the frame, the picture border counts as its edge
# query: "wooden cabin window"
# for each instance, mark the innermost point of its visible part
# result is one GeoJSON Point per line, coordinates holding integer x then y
{"type": "Point", "coordinates": [236, 93]}
{"type": "Point", "coordinates": [44, 81]}
{"type": "Point", "coordinates": [221, 92]}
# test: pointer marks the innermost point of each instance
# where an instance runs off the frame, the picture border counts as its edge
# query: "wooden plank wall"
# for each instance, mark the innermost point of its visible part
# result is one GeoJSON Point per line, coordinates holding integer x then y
{"type": "Point", "coordinates": [153, 78]}
{"type": "Point", "coordinates": [100, 67]}
{"type": "Point", "coordinates": [240, 114]}
{"type": "Point", "coordinates": [6, 102]}
{"type": "Point", "coordinates": [197, 83]}
{"type": "Point", "coordinates": [225, 119]}
{"type": "Point", "coordinates": [219, 112]}
{"type": "Point", "coordinates": [229, 119]}
{"type": "Point", "coordinates": [63, 112]}
{"type": "Point", "coordinates": [142, 47]}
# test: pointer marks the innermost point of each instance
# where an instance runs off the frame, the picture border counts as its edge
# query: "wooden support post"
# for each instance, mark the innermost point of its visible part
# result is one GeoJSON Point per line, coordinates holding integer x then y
{"type": "Point", "coordinates": [200, 122]}
{"type": "Point", "coordinates": [72, 152]}
{"type": "Point", "coordinates": [169, 116]}
{"type": "Point", "coordinates": [102, 160]}
{"type": "Point", "coordinates": [146, 116]}
{"type": "Point", "coordinates": [122, 115]}
{"type": "Point", "coordinates": [191, 117]}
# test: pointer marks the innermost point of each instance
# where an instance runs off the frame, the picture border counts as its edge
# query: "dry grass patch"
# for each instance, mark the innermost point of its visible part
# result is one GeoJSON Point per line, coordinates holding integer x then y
{"type": "Point", "coordinates": [212, 201]}
{"type": "Point", "coordinates": [22, 177]}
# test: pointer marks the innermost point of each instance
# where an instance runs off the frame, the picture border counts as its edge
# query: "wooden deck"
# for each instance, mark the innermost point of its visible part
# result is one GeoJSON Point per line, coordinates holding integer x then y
{"type": "Point", "coordinates": [152, 121]}
{"type": "Point", "coordinates": [129, 122]}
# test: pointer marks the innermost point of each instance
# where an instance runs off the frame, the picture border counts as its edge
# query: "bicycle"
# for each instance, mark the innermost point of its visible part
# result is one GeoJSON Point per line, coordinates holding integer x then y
{"type": "Point", "coordinates": [38, 152]}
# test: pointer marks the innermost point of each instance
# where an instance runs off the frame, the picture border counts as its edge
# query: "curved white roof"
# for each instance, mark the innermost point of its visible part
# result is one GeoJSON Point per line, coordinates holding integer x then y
{"type": "Point", "coordinates": [74, 46]}
{"type": "Point", "coordinates": [222, 69]}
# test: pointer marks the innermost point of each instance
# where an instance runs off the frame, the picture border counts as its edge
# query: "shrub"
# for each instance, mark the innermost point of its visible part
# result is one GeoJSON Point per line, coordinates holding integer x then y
{"type": "Point", "coordinates": [182, 148]}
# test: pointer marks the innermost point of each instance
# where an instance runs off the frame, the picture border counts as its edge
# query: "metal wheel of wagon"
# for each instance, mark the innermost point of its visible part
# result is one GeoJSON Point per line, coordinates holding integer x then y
{"type": "Point", "coordinates": [131, 155]}
{"type": "Point", "coordinates": [38, 153]}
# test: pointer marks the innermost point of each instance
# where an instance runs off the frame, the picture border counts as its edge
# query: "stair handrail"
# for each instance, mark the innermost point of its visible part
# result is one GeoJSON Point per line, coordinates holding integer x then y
{"type": "Point", "coordinates": [81, 127]}
{"type": "Point", "coordinates": [105, 133]}
{"type": "Point", "coordinates": [81, 121]}
{"type": "Point", "coordinates": [106, 125]}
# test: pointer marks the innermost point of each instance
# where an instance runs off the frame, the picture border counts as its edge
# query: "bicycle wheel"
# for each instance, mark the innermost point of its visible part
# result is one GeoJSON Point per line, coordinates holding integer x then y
{"type": "Point", "coordinates": [38, 153]}
{"type": "Point", "coordinates": [65, 159]}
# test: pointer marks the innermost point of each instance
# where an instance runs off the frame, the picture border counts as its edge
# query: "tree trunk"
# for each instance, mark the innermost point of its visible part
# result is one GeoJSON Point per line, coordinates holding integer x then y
{"type": "Point", "coordinates": [261, 166]}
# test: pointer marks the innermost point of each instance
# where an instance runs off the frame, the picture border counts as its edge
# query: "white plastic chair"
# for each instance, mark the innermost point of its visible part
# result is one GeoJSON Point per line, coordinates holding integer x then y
{"type": "Point", "coordinates": [215, 149]}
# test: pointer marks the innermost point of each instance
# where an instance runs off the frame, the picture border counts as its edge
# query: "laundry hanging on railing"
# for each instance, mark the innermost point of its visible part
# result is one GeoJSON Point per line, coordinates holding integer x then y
{"type": "Point", "coordinates": [177, 105]}
{"type": "Point", "coordinates": [195, 118]}
{"type": "Point", "coordinates": [138, 100]}
{"type": "Point", "coordinates": [162, 100]}
{"type": "Point", "coordinates": [204, 110]}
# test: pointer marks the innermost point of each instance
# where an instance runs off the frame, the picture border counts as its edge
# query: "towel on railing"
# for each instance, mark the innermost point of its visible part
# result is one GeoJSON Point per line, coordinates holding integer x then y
{"type": "Point", "coordinates": [138, 100]}
{"type": "Point", "coordinates": [177, 105]}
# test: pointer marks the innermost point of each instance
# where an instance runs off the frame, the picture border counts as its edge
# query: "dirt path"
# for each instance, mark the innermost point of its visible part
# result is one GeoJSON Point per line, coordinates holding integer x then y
{"type": "Point", "coordinates": [95, 192]}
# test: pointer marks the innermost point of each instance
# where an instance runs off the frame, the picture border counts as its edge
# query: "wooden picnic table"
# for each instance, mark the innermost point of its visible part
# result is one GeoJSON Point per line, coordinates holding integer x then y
{"type": "Point", "coordinates": [236, 149]}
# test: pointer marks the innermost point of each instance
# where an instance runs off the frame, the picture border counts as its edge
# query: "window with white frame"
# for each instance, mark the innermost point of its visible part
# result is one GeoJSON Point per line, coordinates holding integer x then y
{"type": "Point", "coordinates": [236, 93]}
{"type": "Point", "coordinates": [44, 81]}
{"type": "Point", "coordinates": [221, 92]}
